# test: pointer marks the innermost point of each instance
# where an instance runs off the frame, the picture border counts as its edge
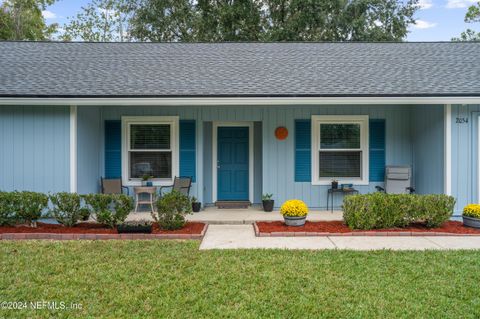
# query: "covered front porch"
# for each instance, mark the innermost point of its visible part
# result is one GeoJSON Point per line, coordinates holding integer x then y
{"type": "Point", "coordinates": [407, 135]}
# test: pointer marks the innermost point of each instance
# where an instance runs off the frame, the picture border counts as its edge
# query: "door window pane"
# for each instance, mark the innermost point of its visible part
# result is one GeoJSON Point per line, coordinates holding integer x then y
{"type": "Point", "coordinates": [339, 136]}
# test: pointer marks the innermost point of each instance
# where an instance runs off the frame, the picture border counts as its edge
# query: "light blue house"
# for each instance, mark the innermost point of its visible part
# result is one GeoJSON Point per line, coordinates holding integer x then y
{"type": "Point", "coordinates": [71, 113]}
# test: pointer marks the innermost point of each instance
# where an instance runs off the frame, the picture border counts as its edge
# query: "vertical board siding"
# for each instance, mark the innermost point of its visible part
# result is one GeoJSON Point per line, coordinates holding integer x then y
{"type": "Point", "coordinates": [34, 148]}
{"type": "Point", "coordinates": [428, 149]}
{"type": "Point", "coordinates": [207, 162]}
{"type": "Point", "coordinates": [88, 149]}
{"type": "Point", "coordinates": [188, 149]}
{"type": "Point", "coordinates": [465, 155]}
{"type": "Point", "coordinates": [257, 165]}
{"type": "Point", "coordinates": [113, 149]}
{"type": "Point", "coordinates": [278, 158]}
{"type": "Point", "coordinates": [377, 150]}
{"type": "Point", "coordinates": [303, 152]}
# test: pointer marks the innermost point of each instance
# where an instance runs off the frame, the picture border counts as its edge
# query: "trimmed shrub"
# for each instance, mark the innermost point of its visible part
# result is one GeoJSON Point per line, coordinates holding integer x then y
{"type": "Point", "coordinates": [66, 208]}
{"type": "Point", "coordinates": [171, 210]}
{"type": "Point", "coordinates": [109, 209]}
{"type": "Point", "coordinates": [434, 209]}
{"type": "Point", "coordinates": [8, 217]}
{"type": "Point", "coordinates": [380, 210]}
{"type": "Point", "coordinates": [28, 206]}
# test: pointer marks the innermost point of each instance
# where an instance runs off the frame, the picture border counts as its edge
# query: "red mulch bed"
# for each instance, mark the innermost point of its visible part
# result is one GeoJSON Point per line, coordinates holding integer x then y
{"type": "Point", "coordinates": [339, 227]}
{"type": "Point", "coordinates": [93, 228]}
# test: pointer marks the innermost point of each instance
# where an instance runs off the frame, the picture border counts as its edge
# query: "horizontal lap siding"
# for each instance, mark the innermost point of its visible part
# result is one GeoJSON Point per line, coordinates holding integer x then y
{"type": "Point", "coordinates": [34, 148]}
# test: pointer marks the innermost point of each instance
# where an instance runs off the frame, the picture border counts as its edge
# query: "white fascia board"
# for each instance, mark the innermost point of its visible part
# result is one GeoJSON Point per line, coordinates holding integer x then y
{"type": "Point", "coordinates": [224, 101]}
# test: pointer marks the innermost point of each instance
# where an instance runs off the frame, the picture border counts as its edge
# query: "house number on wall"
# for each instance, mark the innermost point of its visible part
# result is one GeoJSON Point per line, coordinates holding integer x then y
{"type": "Point", "coordinates": [462, 120]}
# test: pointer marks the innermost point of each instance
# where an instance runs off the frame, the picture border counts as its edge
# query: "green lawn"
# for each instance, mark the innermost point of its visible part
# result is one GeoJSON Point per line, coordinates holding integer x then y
{"type": "Point", "coordinates": [159, 279]}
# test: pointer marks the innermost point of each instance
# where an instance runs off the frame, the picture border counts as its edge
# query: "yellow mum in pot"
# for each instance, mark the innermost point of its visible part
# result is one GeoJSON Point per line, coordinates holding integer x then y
{"type": "Point", "coordinates": [294, 208]}
{"type": "Point", "coordinates": [472, 210]}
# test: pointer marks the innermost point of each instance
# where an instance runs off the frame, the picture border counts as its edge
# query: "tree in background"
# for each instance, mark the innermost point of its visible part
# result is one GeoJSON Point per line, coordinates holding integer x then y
{"type": "Point", "coordinates": [162, 20]}
{"type": "Point", "coordinates": [23, 20]}
{"type": "Point", "coordinates": [228, 20]}
{"type": "Point", "coordinates": [100, 20]}
{"type": "Point", "coordinates": [472, 16]}
{"type": "Point", "coordinates": [338, 20]}
{"type": "Point", "coordinates": [244, 20]}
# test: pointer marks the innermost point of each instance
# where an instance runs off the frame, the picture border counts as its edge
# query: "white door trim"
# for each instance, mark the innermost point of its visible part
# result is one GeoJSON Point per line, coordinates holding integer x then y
{"type": "Point", "coordinates": [215, 126]}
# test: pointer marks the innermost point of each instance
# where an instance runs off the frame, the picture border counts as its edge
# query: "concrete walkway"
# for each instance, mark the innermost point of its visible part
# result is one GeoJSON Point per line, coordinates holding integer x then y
{"type": "Point", "coordinates": [213, 215]}
{"type": "Point", "coordinates": [243, 236]}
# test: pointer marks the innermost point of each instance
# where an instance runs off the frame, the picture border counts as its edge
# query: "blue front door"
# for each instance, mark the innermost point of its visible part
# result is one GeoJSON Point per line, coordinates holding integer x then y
{"type": "Point", "coordinates": [232, 165]}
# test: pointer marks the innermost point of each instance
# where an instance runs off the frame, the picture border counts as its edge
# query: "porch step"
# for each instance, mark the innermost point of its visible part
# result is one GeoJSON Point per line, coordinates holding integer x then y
{"type": "Point", "coordinates": [233, 204]}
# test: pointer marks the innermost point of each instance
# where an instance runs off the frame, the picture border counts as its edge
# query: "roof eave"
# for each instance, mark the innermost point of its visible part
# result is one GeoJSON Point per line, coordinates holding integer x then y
{"type": "Point", "coordinates": [239, 100]}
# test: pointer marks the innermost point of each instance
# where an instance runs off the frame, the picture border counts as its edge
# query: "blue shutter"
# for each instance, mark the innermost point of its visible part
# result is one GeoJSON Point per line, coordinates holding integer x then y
{"type": "Point", "coordinates": [303, 156]}
{"type": "Point", "coordinates": [113, 149]}
{"type": "Point", "coordinates": [187, 149]}
{"type": "Point", "coordinates": [377, 150]}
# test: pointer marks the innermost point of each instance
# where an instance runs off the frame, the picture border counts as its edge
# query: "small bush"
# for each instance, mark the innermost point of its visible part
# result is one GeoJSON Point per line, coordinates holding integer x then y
{"type": "Point", "coordinates": [109, 209]}
{"type": "Point", "coordinates": [434, 209]}
{"type": "Point", "coordinates": [472, 210]}
{"type": "Point", "coordinates": [84, 213]}
{"type": "Point", "coordinates": [28, 206]}
{"type": "Point", "coordinates": [171, 210]}
{"type": "Point", "coordinates": [66, 208]}
{"type": "Point", "coordinates": [8, 217]}
{"type": "Point", "coordinates": [379, 210]}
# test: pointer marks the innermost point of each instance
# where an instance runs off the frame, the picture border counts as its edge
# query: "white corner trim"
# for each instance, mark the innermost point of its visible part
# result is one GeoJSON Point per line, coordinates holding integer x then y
{"type": "Point", "coordinates": [363, 120]}
{"type": "Point", "coordinates": [225, 101]}
{"type": "Point", "coordinates": [448, 149]}
{"type": "Point", "coordinates": [173, 121]}
{"type": "Point", "coordinates": [215, 127]}
{"type": "Point", "coordinates": [73, 148]}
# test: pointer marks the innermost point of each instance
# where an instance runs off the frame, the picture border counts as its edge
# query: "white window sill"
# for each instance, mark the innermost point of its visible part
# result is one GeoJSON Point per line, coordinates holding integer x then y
{"type": "Point", "coordinates": [154, 183]}
{"type": "Point", "coordinates": [340, 182]}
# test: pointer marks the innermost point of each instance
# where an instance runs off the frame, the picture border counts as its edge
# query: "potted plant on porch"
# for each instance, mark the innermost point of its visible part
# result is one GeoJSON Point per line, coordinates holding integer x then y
{"type": "Point", "coordinates": [196, 205]}
{"type": "Point", "coordinates": [294, 212]}
{"type": "Point", "coordinates": [267, 202]}
{"type": "Point", "coordinates": [471, 215]}
{"type": "Point", "coordinates": [146, 180]}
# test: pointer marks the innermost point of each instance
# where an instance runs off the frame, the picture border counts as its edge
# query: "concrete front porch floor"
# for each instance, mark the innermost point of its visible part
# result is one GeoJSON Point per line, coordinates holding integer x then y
{"type": "Point", "coordinates": [213, 215]}
{"type": "Point", "coordinates": [243, 237]}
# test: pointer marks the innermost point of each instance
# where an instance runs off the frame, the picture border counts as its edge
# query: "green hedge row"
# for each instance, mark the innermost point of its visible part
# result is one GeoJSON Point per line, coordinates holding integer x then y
{"type": "Point", "coordinates": [380, 210]}
{"type": "Point", "coordinates": [66, 208]}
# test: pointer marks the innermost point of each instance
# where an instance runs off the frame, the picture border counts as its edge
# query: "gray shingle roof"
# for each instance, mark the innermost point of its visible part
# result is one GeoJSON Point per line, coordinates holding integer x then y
{"type": "Point", "coordinates": [239, 69]}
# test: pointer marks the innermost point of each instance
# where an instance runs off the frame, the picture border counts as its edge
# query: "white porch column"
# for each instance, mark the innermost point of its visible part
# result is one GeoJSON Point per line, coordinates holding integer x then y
{"type": "Point", "coordinates": [448, 149]}
{"type": "Point", "coordinates": [73, 148]}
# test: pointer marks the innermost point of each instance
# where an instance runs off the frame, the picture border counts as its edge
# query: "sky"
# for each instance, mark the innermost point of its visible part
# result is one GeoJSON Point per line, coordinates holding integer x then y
{"type": "Point", "coordinates": [437, 20]}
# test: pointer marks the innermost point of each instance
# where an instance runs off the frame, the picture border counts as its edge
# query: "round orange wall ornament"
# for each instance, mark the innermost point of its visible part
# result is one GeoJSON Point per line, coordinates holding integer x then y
{"type": "Point", "coordinates": [281, 133]}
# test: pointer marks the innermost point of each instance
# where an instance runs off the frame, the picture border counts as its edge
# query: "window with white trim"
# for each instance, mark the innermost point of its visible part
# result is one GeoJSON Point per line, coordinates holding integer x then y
{"type": "Point", "coordinates": [339, 149]}
{"type": "Point", "coordinates": [150, 148]}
